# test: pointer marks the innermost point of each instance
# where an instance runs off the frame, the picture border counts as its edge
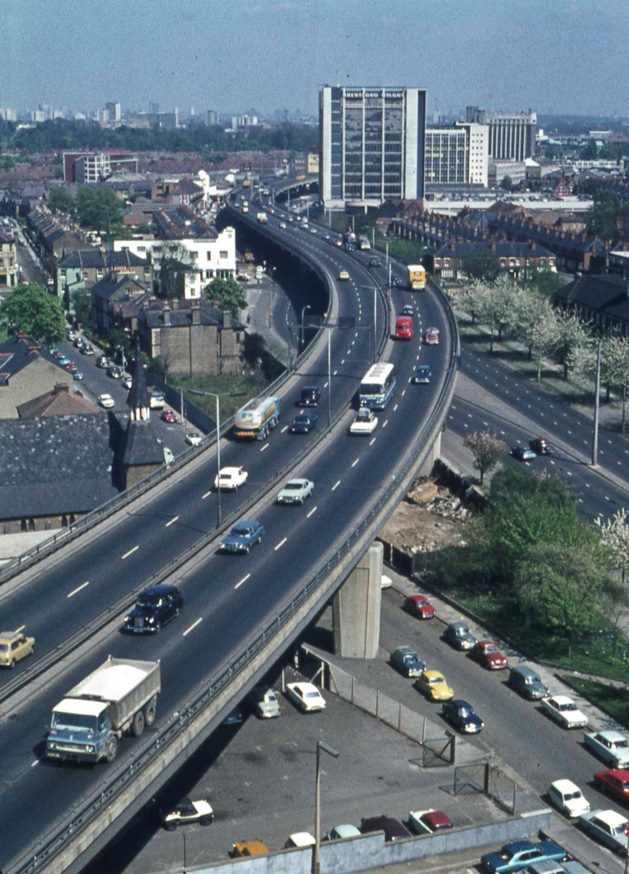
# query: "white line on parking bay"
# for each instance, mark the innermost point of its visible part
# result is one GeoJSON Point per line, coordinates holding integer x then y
{"type": "Point", "coordinates": [192, 627]}
{"type": "Point", "coordinates": [131, 551]}
{"type": "Point", "coordinates": [78, 589]}
{"type": "Point", "coordinates": [280, 544]}
{"type": "Point", "coordinates": [240, 582]}
{"type": "Point", "coordinates": [310, 513]}
{"type": "Point", "coordinates": [171, 521]}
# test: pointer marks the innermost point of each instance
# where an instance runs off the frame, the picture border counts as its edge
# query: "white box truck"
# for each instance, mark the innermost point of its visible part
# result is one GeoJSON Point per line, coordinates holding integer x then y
{"type": "Point", "coordinates": [119, 697]}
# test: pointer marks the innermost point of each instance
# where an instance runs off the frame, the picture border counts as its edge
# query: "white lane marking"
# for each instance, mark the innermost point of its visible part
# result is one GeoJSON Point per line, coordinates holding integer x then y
{"type": "Point", "coordinates": [266, 446]}
{"type": "Point", "coordinates": [171, 521]}
{"type": "Point", "coordinates": [240, 582]}
{"type": "Point", "coordinates": [311, 512]}
{"type": "Point", "coordinates": [206, 495]}
{"type": "Point", "coordinates": [404, 392]}
{"type": "Point", "coordinates": [336, 485]}
{"type": "Point", "coordinates": [192, 627]}
{"type": "Point", "coordinates": [394, 407]}
{"type": "Point", "coordinates": [22, 627]}
{"type": "Point", "coordinates": [131, 551]}
{"type": "Point", "coordinates": [75, 591]}
{"type": "Point", "coordinates": [280, 544]}
{"type": "Point", "coordinates": [325, 385]}
{"type": "Point", "coordinates": [36, 762]}
{"type": "Point", "coordinates": [385, 423]}
{"type": "Point", "coordinates": [342, 361]}
{"type": "Point", "coordinates": [285, 428]}
{"type": "Point", "coordinates": [335, 373]}
{"type": "Point", "coordinates": [372, 441]}
{"type": "Point", "coordinates": [355, 462]}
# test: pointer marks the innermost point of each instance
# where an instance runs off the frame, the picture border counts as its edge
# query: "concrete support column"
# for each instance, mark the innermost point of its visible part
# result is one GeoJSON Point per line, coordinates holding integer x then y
{"type": "Point", "coordinates": [356, 608]}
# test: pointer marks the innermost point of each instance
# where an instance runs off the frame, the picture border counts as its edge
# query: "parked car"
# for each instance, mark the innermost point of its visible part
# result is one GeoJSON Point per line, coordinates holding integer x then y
{"type": "Point", "coordinates": [342, 831]}
{"type": "Point", "coordinates": [114, 371]}
{"type": "Point", "coordinates": [406, 660]}
{"type": "Point", "coordinates": [568, 798]}
{"type": "Point", "coordinates": [154, 607]}
{"type": "Point", "coordinates": [106, 401]}
{"type": "Point", "coordinates": [71, 366]}
{"type": "Point", "coordinates": [563, 710]}
{"type": "Point", "coordinates": [187, 811]}
{"type": "Point", "coordinates": [540, 446]}
{"type": "Point", "coordinates": [127, 381]}
{"type": "Point", "coordinates": [393, 829]}
{"type": "Point", "coordinates": [303, 423]}
{"type": "Point", "coordinates": [299, 840]}
{"type": "Point", "coordinates": [527, 682]}
{"type": "Point", "coordinates": [433, 684]}
{"type": "Point", "coordinates": [522, 453]}
{"type": "Point", "coordinates": [487, 654]}
{"type": "Point", "coordinates": [264, 702]}
{"type": "Point", "coordinates": [429, 821]}
{"type": "Point", "coordinates": [254, 847]}
{"type": "Point", "coordinates": [459, 636]}
{"type": "Point", "coordinates": [229, 479]}
{"type": "Point", "coordinates": [375, 262]}
{"type": "Point", "coordinates": [420, 606]}
{"type": "Point", "coordinates": [611, 747]}
{"type": "Point", "coordinates": [103, 362]}
{"type": "Point", "coordinates": [613, 782]}
{"type": "Point", "coordinates": [14, 646]}
{"type": "Point", "coordinates": [462, 716]}
{"type": "Point", "coordinates": [310, 396]}
{"type": "Point", "coordinates": [235, 716]}
{"type": "Point", "coordinates": [244, 535]}
{"type": "Point", "coordinates": [169, 416]}
{"type": "Point", "coordinates": [608, 827]}
{"type": "Point", "coordinates": [423, 373]}
{"type": "Point", "coordinates": [431, 337]}
{"type": "Point", "coordinates": [193, 438]}
{"type": "Point", "coordinates": [517, 855]}
{"type": "Point", "coordinates": [306, 696]}
{"type": "Point", "coordinates": [295, 491]}
{"type": "Point", "coordinates": [87, 349]}
{"type": "Point", "coordinates": [77, 375]}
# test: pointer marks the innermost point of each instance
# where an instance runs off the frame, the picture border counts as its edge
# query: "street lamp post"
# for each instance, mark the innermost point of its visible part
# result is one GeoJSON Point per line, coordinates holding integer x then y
{"type": "Point", "coordinates": [301, 324]}
{"type": "Point", "coordinates": [326, 748]}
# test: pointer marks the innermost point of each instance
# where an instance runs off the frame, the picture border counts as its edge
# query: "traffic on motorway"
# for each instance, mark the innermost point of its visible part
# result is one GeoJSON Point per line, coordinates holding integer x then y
{"type": "Point", "coordinates": [224, 596]}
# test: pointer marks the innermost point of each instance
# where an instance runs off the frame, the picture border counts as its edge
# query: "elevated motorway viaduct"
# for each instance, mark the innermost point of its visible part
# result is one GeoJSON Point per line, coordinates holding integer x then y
{"type": "Point", "coordinates": [240, 613]}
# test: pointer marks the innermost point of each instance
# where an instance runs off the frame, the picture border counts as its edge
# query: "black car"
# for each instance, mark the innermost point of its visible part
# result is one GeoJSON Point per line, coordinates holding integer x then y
{"type": "Point", "coordinates": [303, 423]}
{"type": "Point", "coordinates": [155, 606]}
{"type": "Point", "coordinates": [540, 446]}
{"type": "Point", "coordinates": [462, 716]}
{"type": "Point", "coordinates": [114, 372]}
{"type": "Point", "coordinates": [375, 262]}
{"type": "Point", "coordinates": [310, 396]}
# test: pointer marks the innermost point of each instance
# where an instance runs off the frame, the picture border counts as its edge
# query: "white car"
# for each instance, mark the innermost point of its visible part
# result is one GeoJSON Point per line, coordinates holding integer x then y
{"type": "Point", "coordinates": [299, 839]}
{"type": "Point", "coordinates": [229, 479]}
{"type": "Point", "coordinates": [187, 811]}
{"type": "Point", "coordinates": [364, 423]}
{"type": "Point", "coordinates": [608, 827]}
{"type": "Point", "coordinates": [564, 711]}
{"type": "Point", "coordinates": [106, 401]}
{"type": "Point", "coordinates": [306, 696]}
{"type": "Point", "coordinates": [127, 381]}
{"type": "Point", "coordinates": [611, 747]}
{"type": "Point", "coordinates": [295, 491]}
{"type": "Point", "coordinates": [193, 438]}
{"type": "Point", "coordinates": [568, 798]}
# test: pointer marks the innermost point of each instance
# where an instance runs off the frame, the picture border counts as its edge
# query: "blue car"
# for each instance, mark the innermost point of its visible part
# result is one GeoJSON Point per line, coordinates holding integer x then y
{"type": "Point", "coordinates": [517, 855]}
{"type": "Point", "coordinates": [303, 423]}
{"type": "Point", "coordinates": [78, 375]}
{"type": "Point", "coordinates": [462, 716]}
{"type": "Point", "coordinates": [243, 536]}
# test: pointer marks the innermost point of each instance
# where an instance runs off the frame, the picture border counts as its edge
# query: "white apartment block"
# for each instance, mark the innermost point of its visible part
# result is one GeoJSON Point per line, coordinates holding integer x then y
{"type": "Point", "coordinates": [456, 155]}
{"type": "Point", "coordinates": [210, 258]}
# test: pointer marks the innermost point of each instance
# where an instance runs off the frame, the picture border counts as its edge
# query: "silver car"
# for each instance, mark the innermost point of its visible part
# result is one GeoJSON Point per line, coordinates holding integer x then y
{"type": "Point", "coordinates": [295, 491]}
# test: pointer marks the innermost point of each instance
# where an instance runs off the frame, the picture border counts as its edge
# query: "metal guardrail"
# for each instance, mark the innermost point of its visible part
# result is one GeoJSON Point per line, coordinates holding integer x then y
{"type": "Point", "coordinates": [56, 840]}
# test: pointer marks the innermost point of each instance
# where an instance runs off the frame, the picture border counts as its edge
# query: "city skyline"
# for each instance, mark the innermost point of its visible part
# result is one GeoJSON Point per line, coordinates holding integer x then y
{"type": "Point", "coordinates": [569, 56]}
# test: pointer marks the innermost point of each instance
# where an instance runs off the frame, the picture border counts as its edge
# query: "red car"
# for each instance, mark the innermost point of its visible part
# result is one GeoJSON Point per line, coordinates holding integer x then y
{"type": "Point", "coordinates": [487, 654]}
{"type": "Point", "coordinates": [614, 782]}
{"type": "Point", "coordinates": [169, 416]}
{"type": "Point", "coordinates": [431, 337]}
{"type": "Point", "coordinates": [420, 606]}
{"type": "Point", "coordinates": [71, 367]}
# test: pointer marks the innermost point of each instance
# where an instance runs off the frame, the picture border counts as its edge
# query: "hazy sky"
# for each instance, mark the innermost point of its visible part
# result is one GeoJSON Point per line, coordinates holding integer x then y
{"type": "Point", "coordinates": [233, 55]}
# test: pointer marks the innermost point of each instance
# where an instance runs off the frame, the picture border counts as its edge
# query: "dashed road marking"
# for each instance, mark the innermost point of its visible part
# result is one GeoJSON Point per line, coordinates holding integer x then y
{"type": "Point", "coordinates": [192, 627]}
{"type": "Point", "coordinates": [280, 544]}
{"type": "Point", "coordinates": [240, 582]}
{"type": "Point", "coordinates": [77, 590]}
{"type": "Point", "coordinates": [131, 551]}
{"type": "Point", "coordinates": [171, 521]}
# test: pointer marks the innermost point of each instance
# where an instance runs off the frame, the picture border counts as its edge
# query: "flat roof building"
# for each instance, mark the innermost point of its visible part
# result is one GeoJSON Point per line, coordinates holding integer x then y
{"type": "Point", "coordinates": [456, 155]}
{"type": "Point", "coordinates": [372, 145]}
{"type": "Point", "coordinates": [511, 134]}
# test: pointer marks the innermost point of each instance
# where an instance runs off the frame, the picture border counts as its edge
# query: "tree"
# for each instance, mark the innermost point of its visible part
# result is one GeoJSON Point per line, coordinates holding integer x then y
{"type": "Point", "coordinates": [61, 200]}
{"type": "Point", "coordinates": [29, 309]}
{"type": "Point", "coordinates": [98, 207]}
{"type": "Point", "coordinates": [495, 305]}
{"type": "Point", "coordinates": [545, 282]}
{"type": "Point", "coordinates": [558, 588]}
{"type": "Point", "coordinates": [482, 265]}
{"type": "Point", "coordinates": [572, 338]}
{"type": "Point", "coordinates": [486, 449]}
{"type": "Point", "coordinates": [537, 326]}
{"type": "Point", "coordinates": [615, 539]}
{"type": "Point", "coordinates": [81, 304]}
{"type": "Point", "coordinates": [226, 294]}
{"type": "Point", "coordinates": [507, 183]}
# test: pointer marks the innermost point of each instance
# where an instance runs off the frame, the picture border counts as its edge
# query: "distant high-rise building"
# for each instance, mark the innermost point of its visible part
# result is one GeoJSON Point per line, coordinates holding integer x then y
{"type": "Point", "coordinates": [511, 134]}
{"type": "Point", "coordinates": [114, 111]}
{"type": "Point", "coordinates": [211, 117]}
{"type": "Point", "coordinates": [457, 155]}
{"type": "Point", "coordinates": [372, 145]}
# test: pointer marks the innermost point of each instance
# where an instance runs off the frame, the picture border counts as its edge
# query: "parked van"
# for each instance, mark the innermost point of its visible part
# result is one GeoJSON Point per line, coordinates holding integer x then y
{"type": "Point", "coordinates": [404, 328]}
{"type": "Point", "coordinates": [527, 682]}
{"type": "Point", "coordinates": [263, 702]}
